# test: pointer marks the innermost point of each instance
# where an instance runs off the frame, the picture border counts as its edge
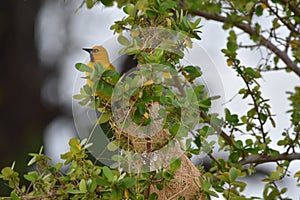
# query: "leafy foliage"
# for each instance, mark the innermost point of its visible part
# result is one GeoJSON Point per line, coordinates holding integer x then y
{"type": "Point", "coordinates": [86, 180]}
{"type": "Point", "coordinates": [83, 179]}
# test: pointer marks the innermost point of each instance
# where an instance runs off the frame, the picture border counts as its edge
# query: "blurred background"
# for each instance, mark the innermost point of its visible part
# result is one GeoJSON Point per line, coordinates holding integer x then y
{"type": "Point", "coordinates": [41, 41]}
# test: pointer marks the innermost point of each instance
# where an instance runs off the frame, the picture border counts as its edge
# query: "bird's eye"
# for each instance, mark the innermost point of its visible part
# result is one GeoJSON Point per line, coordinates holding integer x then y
{"type": "Point", "coordinates": [95, 50]}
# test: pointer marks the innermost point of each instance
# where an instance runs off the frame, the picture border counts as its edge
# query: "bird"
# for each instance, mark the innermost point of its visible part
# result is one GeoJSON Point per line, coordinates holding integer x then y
{"type": "Point", "coordinates": [98, 54]}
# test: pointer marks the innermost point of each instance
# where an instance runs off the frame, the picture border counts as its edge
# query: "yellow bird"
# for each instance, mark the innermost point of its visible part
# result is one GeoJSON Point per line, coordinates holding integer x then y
{"type": "Point", "coordinates": [98, 54]}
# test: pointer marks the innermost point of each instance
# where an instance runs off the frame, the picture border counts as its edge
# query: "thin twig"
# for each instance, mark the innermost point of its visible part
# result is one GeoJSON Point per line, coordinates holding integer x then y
{"type": "Point", "coordinates": [263, 41]}
{"type": "Point", "coordinates": [293, 8]}
{"type": "Point", "coordinates": [256, 107]}
{"type": "Point", "coordinates": [292, 29]}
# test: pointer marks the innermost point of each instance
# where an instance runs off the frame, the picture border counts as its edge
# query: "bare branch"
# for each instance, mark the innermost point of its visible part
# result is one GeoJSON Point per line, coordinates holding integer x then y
{"type": "Point", "coordinates": [268, 158]}
{"type": "Point", "coordinates": [263, 41]}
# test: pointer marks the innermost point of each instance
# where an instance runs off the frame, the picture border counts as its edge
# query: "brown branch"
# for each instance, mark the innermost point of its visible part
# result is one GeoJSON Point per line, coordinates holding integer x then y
{"type": "Point", "coordinates": [290, 27]}
{"type": "Point", "coordinates": [268, 158]}
{"type": "Point", "coordinates": [291, 7]}
{"type": "Point", "coordinates": [247, 29]}
{"type": "Point", "coordinates": [215, 160]}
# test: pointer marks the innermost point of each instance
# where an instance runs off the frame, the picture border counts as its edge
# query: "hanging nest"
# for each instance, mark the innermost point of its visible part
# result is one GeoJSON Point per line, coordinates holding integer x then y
{"type": "Point", "coordinates": [185, 183]}
{"type": "Point", "coordinates": [186, 179]}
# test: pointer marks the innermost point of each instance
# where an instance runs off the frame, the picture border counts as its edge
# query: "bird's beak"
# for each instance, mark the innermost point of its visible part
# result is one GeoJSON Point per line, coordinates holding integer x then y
{"type": "Point", "coordinates": [90, 52]}
{"type": "Point", "coordinates": [87, 49]}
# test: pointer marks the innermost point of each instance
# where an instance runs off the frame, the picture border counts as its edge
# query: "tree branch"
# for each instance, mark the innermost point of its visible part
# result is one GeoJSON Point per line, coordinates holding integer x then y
{"type": "Point", "coordinates": [217, 128]}
{"type": "Point", "coordinates": [289, 26]}
{"type": "Point", "coordinates": [291, 7]}
{"type": "Point", "coordinates": [268, 158]}
{"type": "Point", "coordinates": [247, 29]}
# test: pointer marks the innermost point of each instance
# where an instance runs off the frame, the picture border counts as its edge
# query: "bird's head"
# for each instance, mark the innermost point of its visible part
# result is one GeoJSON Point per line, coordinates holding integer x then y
{"type": "Point", "coordinates": [97, 54]}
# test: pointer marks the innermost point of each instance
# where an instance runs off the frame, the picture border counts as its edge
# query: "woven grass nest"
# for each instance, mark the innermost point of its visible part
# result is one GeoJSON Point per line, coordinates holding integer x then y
{"type": "Point", "coordinates": [186, 182]}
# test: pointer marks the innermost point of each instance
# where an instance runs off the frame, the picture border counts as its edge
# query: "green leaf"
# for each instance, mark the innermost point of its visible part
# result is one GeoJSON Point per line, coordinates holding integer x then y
{"type": "Point", "coordinates": [72, 191]}
{"type": "Point", "coordinates": [151, 13]}
{"type": "Point", "coordinates": [196, 23]}
{"type": "Point", "coordinates": [153, 196]}
{"type": "Point", "coordinates": [116, 194]}
{"type": "Point", "coordinates": [123, 40]}
{"type": "Point", "coordinates": [273, 194]}
{"type": "Point", "coordinates": [167, 175]}
{"type": "Point", "coordinates": [164, 6]}
{"type": "Point", "coordinates": [83, 67]}
{"type": "Point", "coordinates": [108, 2]}
{"type": "Point", "coordinates": [238, 198]}
{"type": "Point", "coordinates": [283, 190]}
{"type": "Point", "coordinates": [108, 174]}
{"type": "Point", "coordinates": [90, 3]}
{"type": "Point", "coordinates": [276, 60]}
{"type": "Point", "coordinates": [31, 176]}
{"type": "Point", "coordinates": [78, 96]}
{"type": "Point", "coordinates": [232, 46]}
{"type": "Point", "coordinates": [126, 183]}
{"type": "Point", "coordinates": [234, 173]}
{"type": "Point", "coordinates": [88, 90]}
{"type": "Point", "coordinates": [14, 196]}
{"type": "Point", "coordinates": [252, 73]}
{"type": "Point", "coordinates": [249, 6]}
{"type": "Point", "coordinates": [175, 164]}
{"type": "Point", "coordinates": [102, 182]}
{"type": "Point", "coordinates": [159, 186]}
{"type": "Point", "coordinates": [275, 23]}
{"type": "Point", "coordinates": [7, 172]}
{"type": "Point", "coordinates": [232, 119]}
{"type": "Point", "coordinates": [104, 117]}
{"type": "Point", "coordinates": [58, 166]}
{"type": "Point", "coordinates": [68, 157]}
{"type": "Point", "coordinates": [141, 197]}
{"type": "Point", "coordinates": [82, 186]}
{"type": "Point", "coordinates": [263, 117]}
{"type": "Point", "coordinates": [251, 113]}
{"type": "Point", "coordinates": [234, 157]}
{"type": "Point", "coordinates": [105, 88]}
{"type": "Point", "coordinates": [91, 185]}
{"type": "Point", "coordinates": [259, 10]}
{"type": "Point", "coordinates": [193, 72]}
{"type": "Point", "coordinates": [74, 145]}
{"type": "Point", "coordinates": [238, 144]}
{"type": "Point", "coordinates": [275, 175]}
{"type": "Point", "coordinates": [110, 73]}
{"type": "Point", "coordinates": [174, 129]}
{"type": "Point", "coordinates": [239, 184]}
{"type": "Point", "coordinates": [130, 10]}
